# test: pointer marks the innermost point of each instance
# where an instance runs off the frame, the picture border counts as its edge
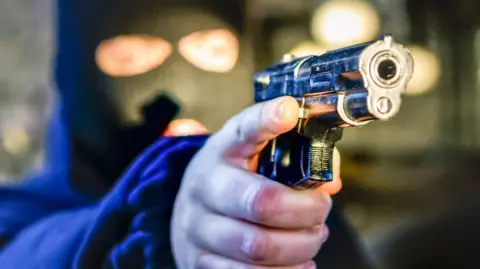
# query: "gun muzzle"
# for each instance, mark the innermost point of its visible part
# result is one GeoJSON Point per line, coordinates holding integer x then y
{"type": "Point", "coordinates": [386, 68]}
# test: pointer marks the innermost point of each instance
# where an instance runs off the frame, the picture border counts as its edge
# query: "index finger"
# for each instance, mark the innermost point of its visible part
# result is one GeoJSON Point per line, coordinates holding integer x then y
{"type": "Point", "coordinates": [248, 132]}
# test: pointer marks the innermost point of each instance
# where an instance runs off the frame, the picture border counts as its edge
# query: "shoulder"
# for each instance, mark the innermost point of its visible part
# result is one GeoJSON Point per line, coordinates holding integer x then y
{"type": "Point", "coordinates": [343, 249]}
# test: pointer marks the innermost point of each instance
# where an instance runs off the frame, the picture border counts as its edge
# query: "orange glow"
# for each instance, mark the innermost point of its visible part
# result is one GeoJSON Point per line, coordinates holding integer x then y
{"type": "Point", "coordinates": [124, 56]}
{"type": "Point", "coordinates": [185, 127]}
{"type": "Point", "coordinates": [426, 71]}
{"type": "Point", "coordinates": [210, 50]}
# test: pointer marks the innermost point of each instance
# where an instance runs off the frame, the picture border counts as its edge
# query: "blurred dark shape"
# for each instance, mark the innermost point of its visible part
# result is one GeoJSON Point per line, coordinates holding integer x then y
{"type": "Point", "coordinates": [447, 238]}
{"type": "Point", "coordinates": [343, 248]}
{"type": "Point", "coordinates": [454, 23]}
{"type": "Point", "coordinates": [361, 158]}
{"type": "Point", "coordinates": [444, 232]}
{"type": "Point", "coordinates": [264, 55]}
{"type": "Point", "coordinates": [99, 108]}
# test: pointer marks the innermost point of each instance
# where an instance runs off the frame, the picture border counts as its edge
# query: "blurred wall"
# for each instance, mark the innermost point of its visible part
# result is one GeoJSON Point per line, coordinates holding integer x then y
{"type": "Point", "coordinates": [25, 53]}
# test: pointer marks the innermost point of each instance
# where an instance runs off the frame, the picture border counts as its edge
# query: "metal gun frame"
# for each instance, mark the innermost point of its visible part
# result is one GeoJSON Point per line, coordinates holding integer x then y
{"type": "Point", "coordinates": [349, 87]}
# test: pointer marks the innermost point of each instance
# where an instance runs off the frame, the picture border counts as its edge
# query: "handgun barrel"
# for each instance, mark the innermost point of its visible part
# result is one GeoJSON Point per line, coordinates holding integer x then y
{"type": "Point", "coordinates": [339, 109]}
{"type": "Point", "coordinates": [383, 68]}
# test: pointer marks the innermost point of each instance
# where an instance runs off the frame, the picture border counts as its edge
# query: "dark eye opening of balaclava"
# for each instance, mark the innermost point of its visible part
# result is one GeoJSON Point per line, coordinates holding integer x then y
{"type": "Point", "coordinates": [189, 52]}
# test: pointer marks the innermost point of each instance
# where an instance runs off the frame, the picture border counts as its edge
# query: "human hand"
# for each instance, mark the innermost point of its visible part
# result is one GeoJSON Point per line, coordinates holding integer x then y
{"type": "Point", "coordinates": [227, 216]}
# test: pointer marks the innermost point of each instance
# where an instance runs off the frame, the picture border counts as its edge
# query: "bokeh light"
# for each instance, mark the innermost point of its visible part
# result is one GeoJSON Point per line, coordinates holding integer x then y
{"type": "Point", "coordinates": [306, 48]}
{"type": "Point", "coordinates": [211, 50]}
{"type": "Point", "coordinates": [15, 140]}
{"type": "Point", "coordinates": [426, 72]}
{"type": "Point", "coordinates": [124, 56]}
{"type": "Point", "coordinates": [339, 23]}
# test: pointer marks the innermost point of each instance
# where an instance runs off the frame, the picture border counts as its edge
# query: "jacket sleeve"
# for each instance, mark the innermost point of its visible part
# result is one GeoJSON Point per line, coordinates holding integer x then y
{"type": "Point", "coordinates": [128, 228]}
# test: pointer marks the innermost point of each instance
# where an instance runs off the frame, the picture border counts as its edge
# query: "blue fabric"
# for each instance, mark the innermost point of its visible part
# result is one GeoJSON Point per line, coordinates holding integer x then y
{"type": "Point", "coordinates": [46, 223]}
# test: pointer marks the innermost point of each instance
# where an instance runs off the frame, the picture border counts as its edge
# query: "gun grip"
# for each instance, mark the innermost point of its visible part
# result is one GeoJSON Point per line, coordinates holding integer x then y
{"type": "Point", "coordinates": [298, 161]}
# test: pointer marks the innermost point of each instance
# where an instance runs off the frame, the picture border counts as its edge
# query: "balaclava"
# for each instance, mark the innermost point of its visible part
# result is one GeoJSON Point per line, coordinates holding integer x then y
{"type": "Point", "coordinates": [197, 57]}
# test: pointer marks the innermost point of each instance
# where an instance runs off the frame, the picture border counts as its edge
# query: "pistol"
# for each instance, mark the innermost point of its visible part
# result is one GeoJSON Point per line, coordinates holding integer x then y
{"type": "Point", "coordinates": [347, 87]}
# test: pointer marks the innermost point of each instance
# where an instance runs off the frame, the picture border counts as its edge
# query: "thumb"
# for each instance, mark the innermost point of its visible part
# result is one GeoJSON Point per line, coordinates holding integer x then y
{"type": "Point", "coordinates": [248, 132]}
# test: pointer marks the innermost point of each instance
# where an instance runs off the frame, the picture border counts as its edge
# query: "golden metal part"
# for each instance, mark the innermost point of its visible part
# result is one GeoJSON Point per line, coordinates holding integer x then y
{"type": "Point", "coordinates": [303, 113]}
{"type": "Point", "coordinates": [272, 152]}
{"type": "Point", "coordinates": [264, 80]}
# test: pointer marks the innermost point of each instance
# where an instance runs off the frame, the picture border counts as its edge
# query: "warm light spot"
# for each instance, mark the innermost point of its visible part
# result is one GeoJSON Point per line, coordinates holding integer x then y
{"type": "Point", "coordinates": [344, 22]}
{"type": "Point", "coordinates": [426, 71]}
{"type": "Point", "coordinates": [210, 50]}
{"type": "Point", "coordinates": [307, 48]}
{"type": "Point", "coordinates": [124, 56]}
{"type": "Point", "coordinates": [185, 127]}
{"type": "Point", "coordinates": [15, 140]}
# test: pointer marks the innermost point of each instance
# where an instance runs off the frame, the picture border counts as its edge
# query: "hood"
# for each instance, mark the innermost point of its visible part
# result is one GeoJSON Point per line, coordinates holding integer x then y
{"type": "Point", "coordinates": [85, 140]}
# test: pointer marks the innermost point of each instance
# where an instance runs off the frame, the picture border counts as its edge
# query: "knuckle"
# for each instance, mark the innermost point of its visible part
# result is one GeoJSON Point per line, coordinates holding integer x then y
{"type": "Point", "coordinates": [247, 121]}
{"type": "Point", "coordinates": [317, 235]}
{"type": "Point", "coordinates": [240, 132]}
{"type": "Point", "coordinates": [213, 144]}
{"type": "Point", "coordinates": [324, 207]}
{"type": "Point", "coordinates": [257, 247]}
{"type": "Point", "coordinates": [207, 261]}
{"type": "Point", "coordinates": [190, 223]}
{"type": "Point", "coordinates": [262, 112]}
{"type": "Point", "coordinates": [233, 123]}
{"type": "Point", "coordinates": [328, 202]}
{"type": "Point", "coordinates": [209, 174]}
{"type": "Point", "coordinates": [219, 180]}
{"type": "Point", "coordinates": [215, 173]}
{"type": "Point", "coordinates": [317, 212]}
{"type": "Point", "coordinates": [263, 205]}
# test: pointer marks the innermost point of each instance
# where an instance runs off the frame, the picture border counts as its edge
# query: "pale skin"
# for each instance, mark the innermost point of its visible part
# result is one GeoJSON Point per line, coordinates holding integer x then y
{"type": "Point", "coordinates": [226, 215]}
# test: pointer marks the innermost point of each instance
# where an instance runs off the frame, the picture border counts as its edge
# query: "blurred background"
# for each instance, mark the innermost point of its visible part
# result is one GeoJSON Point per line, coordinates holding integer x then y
{"type": "Point", "coordinates": [393, 172]}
